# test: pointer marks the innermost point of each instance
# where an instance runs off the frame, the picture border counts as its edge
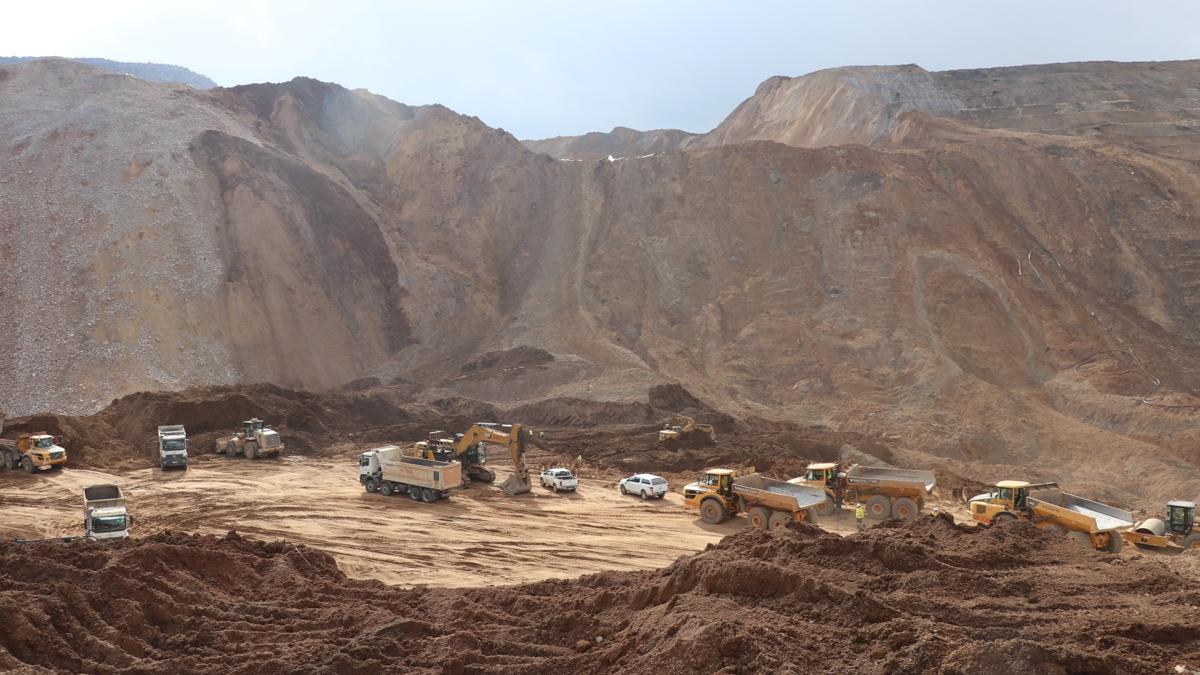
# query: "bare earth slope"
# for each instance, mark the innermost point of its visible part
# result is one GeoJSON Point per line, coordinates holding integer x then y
{"type": "Point", "coordinates": [1019, 298]}
{"type": "Point", "coordinates": [928, 597]}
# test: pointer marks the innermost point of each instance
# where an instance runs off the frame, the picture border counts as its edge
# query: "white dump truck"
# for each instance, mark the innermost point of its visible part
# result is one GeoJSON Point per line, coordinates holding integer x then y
{"type": "Point", "coordinates": [388, 471]}
{"type": "Point", "coordinates": [172, 446]}
{"type": "Point", "coordinates": [104, 515]}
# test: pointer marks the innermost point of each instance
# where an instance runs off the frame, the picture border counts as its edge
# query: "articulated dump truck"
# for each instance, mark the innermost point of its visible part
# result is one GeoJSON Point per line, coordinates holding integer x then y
{"type": "Point", "coordinates": [32, 453]}
{"type": "Point", "coordinates": [389, 471]}
{"type": "Point", "coordinates": [768, 503]}
{"type": "Point", "coordinates": [884, 492]}
{"type": "Point", "coordinates": [1046, 505]}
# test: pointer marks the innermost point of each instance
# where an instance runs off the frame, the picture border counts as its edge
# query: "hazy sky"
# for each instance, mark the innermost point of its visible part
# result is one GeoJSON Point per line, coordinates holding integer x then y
{"type": "Point", "coordinates": [549, 68]}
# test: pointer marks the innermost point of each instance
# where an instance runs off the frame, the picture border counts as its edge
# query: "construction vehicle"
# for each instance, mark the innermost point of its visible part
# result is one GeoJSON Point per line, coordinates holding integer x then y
{"type": "Point", "coordinates": [172, 446]}
{"type": "Point", "coordinates": [389, 471]}
{"type": "Point", "coordinates": [884, 492]}
{"type": "Point", "coordinates": [32, 452]}
{"type": "Point", "coordinates": [1179, 531]}
{"type": "Point", "coordinates": [769, 503]}
{"type": "Point", "coordinates": [104, 515]}
{"type": "Point", "coordinates": [681, 426]}
{"type": "Point", "coordinates": [252, 442]}
{"type": "Point", "coordinates": [1046, 505]}
{"type": "Point", "coordinates": [468, 448]}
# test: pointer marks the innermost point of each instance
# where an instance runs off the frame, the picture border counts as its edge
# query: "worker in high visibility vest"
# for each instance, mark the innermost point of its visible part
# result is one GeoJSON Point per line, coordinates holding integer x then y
{"type": "Point", "coordinates": [860, 515]}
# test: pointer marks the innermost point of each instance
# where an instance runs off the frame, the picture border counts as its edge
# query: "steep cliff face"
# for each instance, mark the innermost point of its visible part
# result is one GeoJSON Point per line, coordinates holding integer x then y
{"type": "Point", "coordinates": [993, 296]}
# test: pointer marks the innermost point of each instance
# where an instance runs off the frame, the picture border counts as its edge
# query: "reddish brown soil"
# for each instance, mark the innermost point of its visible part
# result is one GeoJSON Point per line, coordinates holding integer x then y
{"type": "Point", "coordinates": [931, 596]}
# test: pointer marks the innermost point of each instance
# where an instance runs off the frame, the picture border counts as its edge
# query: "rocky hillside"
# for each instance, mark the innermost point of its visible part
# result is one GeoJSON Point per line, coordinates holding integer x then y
{"type": "Point", "coordinates": [153, 72]}
{"type": "Point", "coordinates": [984, 287]}
{"type": "Point", "coordinates": [620, 142]}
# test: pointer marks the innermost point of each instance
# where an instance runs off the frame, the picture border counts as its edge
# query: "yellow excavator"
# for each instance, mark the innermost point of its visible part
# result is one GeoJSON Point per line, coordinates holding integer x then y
{"type": "Point", "coordinates": [681, 426]}
{"type": "Point", "coordinates": [468, 448]}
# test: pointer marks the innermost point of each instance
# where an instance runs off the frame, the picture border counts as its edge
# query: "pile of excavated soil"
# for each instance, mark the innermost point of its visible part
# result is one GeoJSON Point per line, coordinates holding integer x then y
{"type": "Point", "coordinates": [928, 596]}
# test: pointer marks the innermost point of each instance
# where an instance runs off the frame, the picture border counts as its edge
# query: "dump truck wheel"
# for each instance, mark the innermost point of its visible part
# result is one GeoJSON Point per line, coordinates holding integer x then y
{"type": "Point", "coordinates": [1001, 518]}
{"type": "Point", "coordinates": [760, 517]}
{"type": "Point", "coordinates": [879, 507]}
{"type": "Point", "coordinates": [427, 496]}
{"type": "Point", "coordinates": [1115, 542]}
{"type": "Point", "coordinates": [1192, 541]}
{"type": "Point", "coordinates": [27, 464]}
{"type": "Point", "coordinates": [385, 489]}
{"type": "Point", "coordinates": [904, 509]}
{"type": "Point", "coordinates": [779, 520]}
{"type": "Point", "coordinates": [370, 485]}
{"type": "Point", "coordinates": [826, 508]}
{"type": "Point", "coordinates": [414, 493]}
{"type": "Point", "coordinates": [711, 511]}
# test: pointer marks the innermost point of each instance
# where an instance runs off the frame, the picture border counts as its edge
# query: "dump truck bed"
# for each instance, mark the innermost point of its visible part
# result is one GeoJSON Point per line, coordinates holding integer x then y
{"type": "Point", "coordinates": [1095, 516]}
{"type": "Point", "coordinates": [419, 471]}
{"type": "Point", "coordinates": [889, 477]}
{"type": "Point", "coordinates": [779, 495]}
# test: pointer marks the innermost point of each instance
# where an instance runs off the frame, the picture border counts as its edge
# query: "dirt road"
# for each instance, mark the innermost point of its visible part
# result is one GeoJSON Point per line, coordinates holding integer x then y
{"type": "Point", "coordinates": [479, 537]}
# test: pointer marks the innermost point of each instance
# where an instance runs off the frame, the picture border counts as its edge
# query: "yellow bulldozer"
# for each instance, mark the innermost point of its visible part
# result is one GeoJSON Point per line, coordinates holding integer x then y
{"type": "Point", "coordinates": [468, 448]}
{"type": "Point", "coordinates": [1177, 532]}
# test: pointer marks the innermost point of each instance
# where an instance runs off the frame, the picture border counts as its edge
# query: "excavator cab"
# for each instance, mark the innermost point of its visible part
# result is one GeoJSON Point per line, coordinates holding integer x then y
{"type": "Point", "coordinates": [1181, 517]}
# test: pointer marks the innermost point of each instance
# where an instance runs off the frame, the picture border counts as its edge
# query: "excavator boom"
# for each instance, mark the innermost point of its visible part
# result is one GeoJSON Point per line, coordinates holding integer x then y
{"type": "Point", "coordinates": [509, 436]}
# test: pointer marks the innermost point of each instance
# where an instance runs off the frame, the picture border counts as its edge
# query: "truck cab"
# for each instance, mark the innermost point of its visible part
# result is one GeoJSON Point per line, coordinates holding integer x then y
{"type": "Point", "coordinates": [714, 481]}
{"type": "Point", "coordinates": [1008, 496]}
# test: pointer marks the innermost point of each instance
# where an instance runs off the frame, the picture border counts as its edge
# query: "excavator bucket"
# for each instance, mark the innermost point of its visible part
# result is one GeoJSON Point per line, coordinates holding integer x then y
{"type": "Point", "coordinates": [517, 484]}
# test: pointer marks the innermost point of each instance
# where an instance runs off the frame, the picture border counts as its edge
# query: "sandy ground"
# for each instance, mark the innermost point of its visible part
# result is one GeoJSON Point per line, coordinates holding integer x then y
{"type": "Point", "coordinates": [479, 537]}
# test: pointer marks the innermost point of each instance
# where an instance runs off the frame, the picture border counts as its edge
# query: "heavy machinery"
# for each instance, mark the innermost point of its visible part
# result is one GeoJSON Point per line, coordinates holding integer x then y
{"type": "Point", "coordinates": [252, 442]}
{"type": "Point", "coordinates": [681, 426]}
{"type": "Point", "coordinates": [32, 452]}
{"type": "Point", "coordinates": [172, 446]}
{"type": "Point", "coordinates": [104, 515]}
{"type": "Point", "coordinates": [468, 448]}
{"type": "Point", "coordinates": [883, 491]}
{"type": "Point", "coordinates": [769, 503]}
{"type": "Point", "coordinates": [1046, 505]}
{"type": "Point", "coordinates": [388, 471]}
{"type": "Point", "coordinates": [1177, 532]}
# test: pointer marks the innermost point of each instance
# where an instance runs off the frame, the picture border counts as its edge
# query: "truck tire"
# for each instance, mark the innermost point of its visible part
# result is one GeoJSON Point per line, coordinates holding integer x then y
{"type": "Point", "coordinates": [623, 490]}
{"type": "Point", "coordinates": [427, 496]}
{"type": "Point", "coordinates": [1192, 541]}
{"type": "Point", "coordinates": [711, 511]}
{"type": "Point", "coordinates": [1002, 518]}
{"type": "Point", "coordinates": [645, 494]}
{"type": "Point", "coordinates": [414, 493]}
{"type": "Point", "coordinates": [879, 507]}
{"type": "Point", "coordinates": [760, 517]}
{"type": "Point", "coordinates": [779, 520]}
{"type": "Point", "coordinates": [27, 464]}
{"type": "Point", "coordinates": [905, 509]}
{"type": "Point", "coordinates": [826, 508]}
{"type": "Point", "coordinates": [1115, 542]}
{"type": "Point", "coordinates": [385, 489]}
{"type": "Point", "coordinates": [369, 484]}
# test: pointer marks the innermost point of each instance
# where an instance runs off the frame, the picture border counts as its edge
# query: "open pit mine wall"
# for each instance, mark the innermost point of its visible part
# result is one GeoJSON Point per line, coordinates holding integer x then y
{"type": "Point", "coordinates": [309, 235]}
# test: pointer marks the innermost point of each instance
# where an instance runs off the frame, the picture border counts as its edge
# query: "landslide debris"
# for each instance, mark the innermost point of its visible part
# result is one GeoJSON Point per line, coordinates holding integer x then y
{"type": "Point", "coordinates": [928, 596]}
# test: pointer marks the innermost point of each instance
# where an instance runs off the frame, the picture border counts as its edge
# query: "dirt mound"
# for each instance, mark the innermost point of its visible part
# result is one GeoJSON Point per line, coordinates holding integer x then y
{"type": "Point", "coordinates": [928, 596]}
{"type": "Point", "coordinates": [517, 357]}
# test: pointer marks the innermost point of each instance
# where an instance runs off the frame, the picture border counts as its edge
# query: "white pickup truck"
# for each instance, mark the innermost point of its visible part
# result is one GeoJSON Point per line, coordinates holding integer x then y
{"type": "Point", "coordinates": [559, 480]}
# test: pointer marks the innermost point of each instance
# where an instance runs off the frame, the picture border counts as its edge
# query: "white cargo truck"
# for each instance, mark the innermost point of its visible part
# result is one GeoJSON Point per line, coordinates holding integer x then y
{"type": "Point", "coordinates": [389, 471]}
{"type": "Point", "coordinates": [104, 515]}
{"type": "Point", "coordinates": [172, 446]}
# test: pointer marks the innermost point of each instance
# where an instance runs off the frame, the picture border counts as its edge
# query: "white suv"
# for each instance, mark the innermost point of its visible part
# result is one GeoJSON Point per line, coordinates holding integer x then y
{"type": "Point", "coordinates": [645, 485]}
{"type": "Point", "coordinates": [559, 479]}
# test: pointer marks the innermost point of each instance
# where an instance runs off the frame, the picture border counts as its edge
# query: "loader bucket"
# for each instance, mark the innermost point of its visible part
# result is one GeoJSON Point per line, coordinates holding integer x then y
{"type": "Point", "coordinates": [517, 484]}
